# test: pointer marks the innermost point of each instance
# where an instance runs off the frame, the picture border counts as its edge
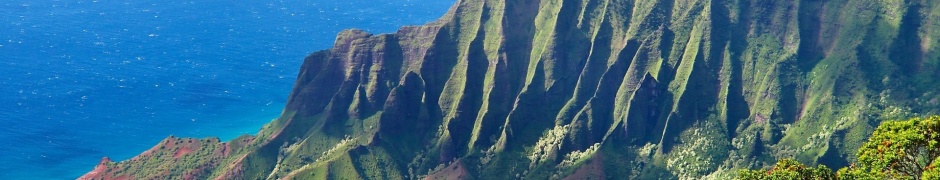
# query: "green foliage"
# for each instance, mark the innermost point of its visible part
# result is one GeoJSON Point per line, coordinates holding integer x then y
{"type": "Point", "coordinates": [789, 169]}
{"type": "Point", "coordinates": [932, 171]}
{"type": "Point", "coordinates": [896, 150]}
{"type": "Point", "coordinates": [901, 148]}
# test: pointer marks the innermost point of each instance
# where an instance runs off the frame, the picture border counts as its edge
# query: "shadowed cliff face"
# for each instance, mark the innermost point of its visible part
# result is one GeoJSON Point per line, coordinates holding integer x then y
{"type": "Point", "coordinates": [658, 88]}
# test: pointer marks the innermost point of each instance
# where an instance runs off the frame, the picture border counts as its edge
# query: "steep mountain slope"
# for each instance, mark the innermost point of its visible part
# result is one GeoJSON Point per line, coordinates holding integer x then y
{"type": "Point", "coordinates": [541, 89]}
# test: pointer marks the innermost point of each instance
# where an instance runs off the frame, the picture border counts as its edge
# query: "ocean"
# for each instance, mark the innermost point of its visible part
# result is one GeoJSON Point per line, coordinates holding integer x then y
{"type": "Point", "coordinates": [85, 79]}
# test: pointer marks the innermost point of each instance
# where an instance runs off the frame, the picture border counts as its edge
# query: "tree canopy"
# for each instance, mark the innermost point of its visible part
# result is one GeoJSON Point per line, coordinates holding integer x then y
{"type": "Point", "coordinates": [896, 150]}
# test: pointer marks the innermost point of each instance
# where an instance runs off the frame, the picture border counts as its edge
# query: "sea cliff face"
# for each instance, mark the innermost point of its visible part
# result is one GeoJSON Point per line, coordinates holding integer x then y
{"type": "Point", "coordinates": [556, 89]}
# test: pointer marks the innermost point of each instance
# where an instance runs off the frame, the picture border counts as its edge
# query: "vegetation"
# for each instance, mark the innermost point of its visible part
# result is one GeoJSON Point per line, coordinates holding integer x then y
{"type": "Point", "coordinates": [790, 169]}
{"type": "Point", "coordinates": [641, 89]}
{"type": "Point", "coordinates": [896, 150]}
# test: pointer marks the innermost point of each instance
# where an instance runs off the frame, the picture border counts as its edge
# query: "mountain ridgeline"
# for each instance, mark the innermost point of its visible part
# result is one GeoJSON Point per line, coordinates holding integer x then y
{"type": "Point", "coordinates": [553, 89]}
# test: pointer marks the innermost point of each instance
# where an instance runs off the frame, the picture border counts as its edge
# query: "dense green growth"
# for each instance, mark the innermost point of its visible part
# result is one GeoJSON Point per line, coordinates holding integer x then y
{"type": "Point", "coordinates": [790, 169]}
{"type": "Point", "coordinates": [643, 89]}
{"type": "Point", "coordinates": [896, 150]}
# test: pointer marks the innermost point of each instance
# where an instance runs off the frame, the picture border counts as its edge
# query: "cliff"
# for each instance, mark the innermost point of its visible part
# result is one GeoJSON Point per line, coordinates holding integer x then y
{"type": "Point", "coordinates": [552, 89]}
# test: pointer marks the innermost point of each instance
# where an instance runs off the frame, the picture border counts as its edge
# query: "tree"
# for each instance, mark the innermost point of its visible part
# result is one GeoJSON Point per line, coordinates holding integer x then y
{"type": "Point", "coordinates": [789, 169]}
{"type": "Point", "coordinates": [901, 149]}
{"type": "Point", "coordinates": [896, 150]}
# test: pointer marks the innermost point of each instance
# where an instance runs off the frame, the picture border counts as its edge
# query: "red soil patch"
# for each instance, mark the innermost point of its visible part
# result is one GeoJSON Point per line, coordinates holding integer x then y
{"type": "Point", "coordinates": [184, 146]}
{"type": "Point", "coordinates": [100, 172]}
{"type": "Point", "coordinates": [154, 148]}
{"type": "Point", "coordinates": [99, 169]}
{"type": "Point", "coordinates": [166, 144]}
{"type": "Point", "coordinates": [592, 170]}
{"type": "Point", "coordinates": [194, 173]}
{"type": "Point", "coordinates": [455, 170]}
{"type": "Point", "coordinates": [182, 151]}
{"type": "Point", "coordinates": [760, 118]}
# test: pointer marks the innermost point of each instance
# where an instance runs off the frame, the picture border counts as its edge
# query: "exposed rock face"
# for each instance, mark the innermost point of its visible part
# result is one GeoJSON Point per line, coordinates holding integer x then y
{"type": "Point", "coordinates": [662, 88]}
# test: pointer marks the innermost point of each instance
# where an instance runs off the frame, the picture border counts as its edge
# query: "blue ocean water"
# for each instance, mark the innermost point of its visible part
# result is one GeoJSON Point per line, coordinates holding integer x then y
{"type": "Point", "coordinates": [84, 79]}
